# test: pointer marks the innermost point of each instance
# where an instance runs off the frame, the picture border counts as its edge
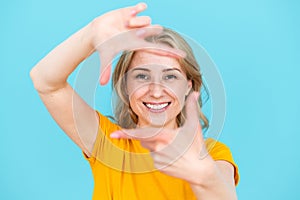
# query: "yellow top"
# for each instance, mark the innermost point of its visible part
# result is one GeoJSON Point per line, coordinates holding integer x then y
{"type": "Point", "coordinates": [123, 169]}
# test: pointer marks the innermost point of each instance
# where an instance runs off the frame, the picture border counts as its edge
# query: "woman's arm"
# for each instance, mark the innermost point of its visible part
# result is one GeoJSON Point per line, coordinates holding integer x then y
{"type": "Point", "coordinates": [215, 181]}
{"type": "Point", "coordinates": [50, 80]}
{"type": "Point", "coordinates": [50, 74]}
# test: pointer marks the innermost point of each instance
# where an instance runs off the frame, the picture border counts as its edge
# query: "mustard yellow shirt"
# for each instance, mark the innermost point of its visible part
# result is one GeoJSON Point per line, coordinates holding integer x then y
{"type": "Point", "coordinates": [123, 169]}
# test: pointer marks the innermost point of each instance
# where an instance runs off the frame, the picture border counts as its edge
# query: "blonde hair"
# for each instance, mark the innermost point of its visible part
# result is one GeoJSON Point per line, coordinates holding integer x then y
{"type": "Point", "coordinates": [188, 64]}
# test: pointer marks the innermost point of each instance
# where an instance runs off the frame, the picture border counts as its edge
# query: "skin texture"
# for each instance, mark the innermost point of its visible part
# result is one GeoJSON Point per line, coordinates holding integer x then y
{"type": "Point", "coordinates": [211, 179]}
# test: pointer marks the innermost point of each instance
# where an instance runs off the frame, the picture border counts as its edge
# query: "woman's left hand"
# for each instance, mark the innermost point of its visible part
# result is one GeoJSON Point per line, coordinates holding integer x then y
{"type": "Point", "coordinates": [181, 152]}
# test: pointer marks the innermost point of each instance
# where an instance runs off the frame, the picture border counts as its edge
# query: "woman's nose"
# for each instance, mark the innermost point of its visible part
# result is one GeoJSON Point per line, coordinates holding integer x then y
{"type": "Point", "coordinates": [156, 89]}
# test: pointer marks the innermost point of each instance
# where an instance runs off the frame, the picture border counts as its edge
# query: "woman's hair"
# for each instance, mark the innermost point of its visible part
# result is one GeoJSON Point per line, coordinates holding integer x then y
{"type": "Point", "coordinates": [188, 64]}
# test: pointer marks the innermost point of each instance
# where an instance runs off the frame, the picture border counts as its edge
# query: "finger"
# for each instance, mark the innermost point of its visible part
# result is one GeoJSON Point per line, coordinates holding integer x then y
{"type": "Point", "coordinates": [137, 22]}
{"type": "Point", "coordinates": [131, 134]}
{"type": "Point", "coordinates": [142, 134]}
{"type": "Point", "coordinates": [165, 51]}
{"type": "Point", "coordinates": [140, 7]}
{"type": "Point", "coordinates": [120, 134]}
{"type": "Point", "coordinates": [192, 124]}
{"type": "Point", "coordinates": [192, 111]}
{"type": "Point", "coordinates": [105, 75]}
{"type": "Point", "coordinates": [150, 138]}
{"type": "Point", "coordinates": [128, 134]}
{"type": "Point", "coordinates": [138, 134]}
{"type": "Point", "coordinates": [148, 31]}
{"type": "Point", "coordinates": [105, 67]}
{"type": "Point", "coordinates": [157, 48]}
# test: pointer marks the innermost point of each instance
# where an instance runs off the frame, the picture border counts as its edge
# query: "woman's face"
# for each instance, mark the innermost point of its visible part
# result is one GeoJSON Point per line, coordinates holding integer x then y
{"type": "Point", "coordinates": [157, 87]}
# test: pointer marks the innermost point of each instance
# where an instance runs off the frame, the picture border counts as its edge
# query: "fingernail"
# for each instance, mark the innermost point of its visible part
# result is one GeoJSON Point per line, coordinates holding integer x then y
{"type": "Point", "coordinates": [115, 135]}
{"type": "Point", "coordinates": [142, 5]}
{"type": "Point", "coordinates": [140, 32]}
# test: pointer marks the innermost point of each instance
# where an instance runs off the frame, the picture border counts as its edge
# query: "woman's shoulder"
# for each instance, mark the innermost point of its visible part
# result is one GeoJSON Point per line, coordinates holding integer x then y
{"type": "Point", "coordinates": [106, 123]}
{"type": "Point", "coordinates": [217, 149]}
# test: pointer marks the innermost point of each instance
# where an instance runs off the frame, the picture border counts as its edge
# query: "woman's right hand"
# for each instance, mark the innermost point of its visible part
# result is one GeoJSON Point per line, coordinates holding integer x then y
{"type": "Point", "coordinates": [122, 29]}
{"type": "Point", "coordinates": [118, 21]}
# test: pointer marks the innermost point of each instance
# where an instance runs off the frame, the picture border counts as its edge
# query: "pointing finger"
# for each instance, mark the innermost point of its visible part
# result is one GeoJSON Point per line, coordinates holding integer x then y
{"type": "Point", "coordinates": [142, 134]}
{"type": "Point", "coordinates": [145, 134]}
{"type": "Point", "coordinates": [140, 7]}
{"type": "Point", "coordinates": [120, 135]}
{"type": "Point", "coordinates": [156, 48]}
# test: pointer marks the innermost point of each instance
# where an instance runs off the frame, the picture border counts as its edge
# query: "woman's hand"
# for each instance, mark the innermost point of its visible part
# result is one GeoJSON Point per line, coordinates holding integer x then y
{"type": "Point", "coordinates": [181, 152]}
{"type": "Point", "coordinates": [118, 21]}
{"type": "Point", "coordinates": [121, 30]}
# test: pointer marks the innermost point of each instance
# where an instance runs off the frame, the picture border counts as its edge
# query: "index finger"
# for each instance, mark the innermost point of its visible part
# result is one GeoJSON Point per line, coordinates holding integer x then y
{"type": "Point", "coordinates": [154, 47]}
{"type": "Point", "coordinates": [138, 133]}
{"type": "Point", "coordinates": [140, 7]}
{"type": "Point", "coordinates": [175, 53]}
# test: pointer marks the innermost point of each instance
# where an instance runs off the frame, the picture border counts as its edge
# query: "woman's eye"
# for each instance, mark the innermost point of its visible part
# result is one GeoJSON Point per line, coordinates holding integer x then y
{"type": "Point", "coordinates": [142, 77]}
{"type": "Point", "coordinates": [170, 77]}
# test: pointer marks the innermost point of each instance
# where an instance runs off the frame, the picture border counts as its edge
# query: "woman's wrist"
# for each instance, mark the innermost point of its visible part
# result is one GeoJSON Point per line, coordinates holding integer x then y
{"type": "Point", "coordinates": [202, 172]}
{"type": "Point", "coordinates": [96, 32]}
{"type": "Point", "coordinates": [210, 184]}
{"type": "Point", "coordinates": [88, 36]}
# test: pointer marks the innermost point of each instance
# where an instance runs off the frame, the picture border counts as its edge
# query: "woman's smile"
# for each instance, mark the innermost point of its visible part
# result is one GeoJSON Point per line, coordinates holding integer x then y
{"type": "Point", "coordinates": [157, 107]}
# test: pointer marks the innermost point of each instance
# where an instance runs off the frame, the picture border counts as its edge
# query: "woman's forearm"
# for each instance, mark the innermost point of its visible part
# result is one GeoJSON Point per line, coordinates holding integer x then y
{"type": "Point", "coordinates": [215, 184]}
{"type": "Point", "coordinates": [52, 71]}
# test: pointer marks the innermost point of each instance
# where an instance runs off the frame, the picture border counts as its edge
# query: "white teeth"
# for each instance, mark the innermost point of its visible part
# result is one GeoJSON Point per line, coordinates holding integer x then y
{"type": "Point", "coordinates": [156, 106]}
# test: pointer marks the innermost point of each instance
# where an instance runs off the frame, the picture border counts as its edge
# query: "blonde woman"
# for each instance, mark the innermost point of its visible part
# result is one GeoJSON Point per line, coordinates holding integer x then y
{"type": "Point", "coordinates": [155, 148]}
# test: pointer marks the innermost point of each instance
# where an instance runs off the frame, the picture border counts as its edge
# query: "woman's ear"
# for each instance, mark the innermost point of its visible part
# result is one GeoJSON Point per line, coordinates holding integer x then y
{"type": "Point", "coordinates": [190, 85]}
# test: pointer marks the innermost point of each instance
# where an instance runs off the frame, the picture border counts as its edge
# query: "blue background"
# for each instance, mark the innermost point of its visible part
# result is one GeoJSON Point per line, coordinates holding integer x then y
{"type": "Point", "coordinates": [255, 45]}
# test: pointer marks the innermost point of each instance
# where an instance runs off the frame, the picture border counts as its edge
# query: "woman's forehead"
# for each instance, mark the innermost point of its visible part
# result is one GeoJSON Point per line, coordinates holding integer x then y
{"type": "Point", "coordinates": [148, 59]}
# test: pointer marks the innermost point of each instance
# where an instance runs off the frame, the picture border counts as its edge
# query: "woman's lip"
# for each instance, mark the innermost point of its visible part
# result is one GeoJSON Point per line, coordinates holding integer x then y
{"type": "Point", "coordinates": [157, 107]}
{"type": "Point", "coordinates": [156, 103]}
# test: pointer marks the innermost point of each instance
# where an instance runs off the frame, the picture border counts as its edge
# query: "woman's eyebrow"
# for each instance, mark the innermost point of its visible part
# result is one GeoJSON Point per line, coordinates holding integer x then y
{"type": "Point", "coordinates": [171, 69]}
{"type": "Point", "coordinates": [140, 68]}
{"type": "Point", "coordinates": [148, 70]}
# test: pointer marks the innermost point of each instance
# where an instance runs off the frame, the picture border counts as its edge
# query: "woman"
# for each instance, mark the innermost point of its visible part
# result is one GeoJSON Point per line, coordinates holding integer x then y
{"type": "Point", "coordinates": [161, 154]}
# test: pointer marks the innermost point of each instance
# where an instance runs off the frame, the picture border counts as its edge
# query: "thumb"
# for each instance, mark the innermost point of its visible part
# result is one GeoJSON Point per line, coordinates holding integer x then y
{"type": "Point", "coordinates": [105, 67]}
{"type": "Point", "coordinates": [192, 110]}
{"type": "Point", "coordinates": [192, 124]}
{"type": "Point", "coordinates": [105, 74]}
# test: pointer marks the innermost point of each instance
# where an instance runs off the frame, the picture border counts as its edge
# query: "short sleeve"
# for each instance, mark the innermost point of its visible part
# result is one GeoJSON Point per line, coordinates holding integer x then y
{"type": "Point", "coordinates": [120, 154]}
{"type": "Point", "coordinates": [105, 128]}
{"type": "Point", "coordinates": [219, 151]}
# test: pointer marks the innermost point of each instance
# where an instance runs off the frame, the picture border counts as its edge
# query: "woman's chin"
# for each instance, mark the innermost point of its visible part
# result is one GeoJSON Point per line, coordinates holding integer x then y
{"type": "Point", "coordinates": [160, 121]}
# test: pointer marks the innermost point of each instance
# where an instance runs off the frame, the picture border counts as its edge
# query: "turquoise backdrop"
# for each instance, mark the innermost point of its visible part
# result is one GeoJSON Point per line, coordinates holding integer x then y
{"type": "Point", "coordinates": [255, 45]}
